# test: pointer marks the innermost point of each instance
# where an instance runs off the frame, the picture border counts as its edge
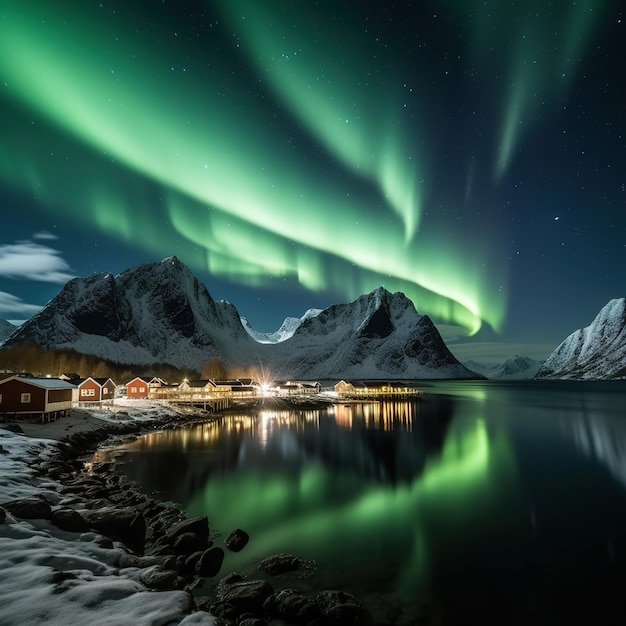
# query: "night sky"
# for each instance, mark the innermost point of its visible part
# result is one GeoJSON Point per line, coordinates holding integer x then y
{"type": "Point", "coordinates": [296, 154]}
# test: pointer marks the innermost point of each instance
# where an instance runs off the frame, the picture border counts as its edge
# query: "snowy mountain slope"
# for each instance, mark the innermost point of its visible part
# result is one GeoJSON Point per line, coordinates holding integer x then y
{"type": "Point", "coordinates": [597, 351]}
{"type": "Point", "coordinates": [154, 313]}
{"type": "Point", "coordinates": [378, 335]}
{"type": "Point", "coordinates": [286, 330]}
{"type": "Point", "coordinates": [160, 313]}
{"type": "Point", "coordinates": [513, 368]}
{"type": "Point", "coordinates": [6, 328]}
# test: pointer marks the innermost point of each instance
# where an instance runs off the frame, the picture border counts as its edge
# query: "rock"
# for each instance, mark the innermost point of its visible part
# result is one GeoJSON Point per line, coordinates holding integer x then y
{"type": "Point", "coordinates": [29, 508]}
{"type": "Point", "coordinates": [223, 610]}
{"type": "Point", "coordinates": [192, 561]}
{"type": "Point", "coordinates": [280, 564]}
{"type": "Point", "coordinates": [247, 596]}
{"type": "Point", "coordinates": [203, 603]}
{"type": "Point", "coordinates": [69, 520]}
{"type": "Point", "coordinates": [3, 515]}
{"type": "Point", "coordinates": [251, 621]}
{"type": "Point", "coordinates": [161, 550]}
{"type": "Point", "coordinates": [187, 543]}
{"type": "Point", "coordinates": [210, 563]}
{"type": "Point", "coordinates": [160, 580]}
{"type": "Point", "coordinates": [199, 526]}
{"type": "Point", "coordinates": [339, 607]}
{"type": "Point", "coordinates": [14, 428]}
{"type": "Point", "coordinates": [125, 525]}
{"type": "Point", "coordinates": [237, 540]}
{"type": "Point", "coordinates": [229, 579]}
{"type": "Point", "coordinates": [292, 604]}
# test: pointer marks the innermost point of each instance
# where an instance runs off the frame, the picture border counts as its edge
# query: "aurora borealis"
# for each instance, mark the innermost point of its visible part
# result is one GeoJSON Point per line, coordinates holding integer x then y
{"type": "Point", "coordinates": [299, 154]}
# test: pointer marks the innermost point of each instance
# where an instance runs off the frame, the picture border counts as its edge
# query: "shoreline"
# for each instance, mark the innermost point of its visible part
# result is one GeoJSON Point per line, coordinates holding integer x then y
{"type": "Point", "coordinates": [172, 552]}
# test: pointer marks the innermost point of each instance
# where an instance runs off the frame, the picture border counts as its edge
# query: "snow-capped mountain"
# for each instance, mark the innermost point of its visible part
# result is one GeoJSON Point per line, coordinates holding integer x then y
{"type": "Point", "coordinates": [513, 368]}
{"type": "Point", "coordinates": [597, 351]}
{"type": "Point", "coordinates": [378, 335]}
{"type": "Point", "coordinates": [160, 313]}
{"type": "Point", "coordinates": [6, 328]}
{"type": "Point", "coordinates": [153, 313]}
{"type": "Point", "coordinates": [286, 330]}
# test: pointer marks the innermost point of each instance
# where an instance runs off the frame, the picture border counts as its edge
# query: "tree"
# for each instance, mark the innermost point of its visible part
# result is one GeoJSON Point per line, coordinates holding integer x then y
{"type": "Point", "coordinates": [213, 369]}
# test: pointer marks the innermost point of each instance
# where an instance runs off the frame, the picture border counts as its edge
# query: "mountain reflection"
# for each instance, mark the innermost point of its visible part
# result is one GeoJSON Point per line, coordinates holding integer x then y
{"type": "Point", "coordinates": [602, 437]}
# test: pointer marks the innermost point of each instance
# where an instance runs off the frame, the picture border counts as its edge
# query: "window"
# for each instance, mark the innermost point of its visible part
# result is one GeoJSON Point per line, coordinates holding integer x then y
{"type": "Point", "coordinates": [142, 390]}
{"type": "Point", "coordinates": [25, 398]}
{"type": "Point", "coordinates": [133, 389]}
{"type": "Point", "coordinates": [87, 392]}
{"type": "Point", "coordinates": [105, 391]}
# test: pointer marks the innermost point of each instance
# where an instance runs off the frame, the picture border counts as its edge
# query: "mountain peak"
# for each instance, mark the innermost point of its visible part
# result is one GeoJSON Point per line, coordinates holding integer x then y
{"type": "Point", "coordinates": [597, 351]}
{"type": "Point", "coordinates": [160, 313]}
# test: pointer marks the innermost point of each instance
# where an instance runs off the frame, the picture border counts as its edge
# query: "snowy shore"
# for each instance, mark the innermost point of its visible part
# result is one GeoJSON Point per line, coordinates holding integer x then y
{"type": "Point", "coordinates": [59, 565]}
{"type": "Point", "coordinates": [54, 577]}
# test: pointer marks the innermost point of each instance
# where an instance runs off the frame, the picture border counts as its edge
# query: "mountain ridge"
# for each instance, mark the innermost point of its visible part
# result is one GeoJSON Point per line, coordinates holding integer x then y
{"type": "Point", "coordinates": [595, 352]}
{"type": "Point", "coordinates": [160, 313]}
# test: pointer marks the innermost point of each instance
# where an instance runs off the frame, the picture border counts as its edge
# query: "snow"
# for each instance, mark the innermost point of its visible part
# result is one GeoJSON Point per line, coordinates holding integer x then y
{"type": "Point", "coordinates": [513, 368]}
{"type": "Point", "coordinates": [597, 351]}
{"type": "Point", "coordinates": [160, 313]}
{"type": "Point", "coordinates": [286, 330]}
{"type": "Point", "coordinates": [49, 576]}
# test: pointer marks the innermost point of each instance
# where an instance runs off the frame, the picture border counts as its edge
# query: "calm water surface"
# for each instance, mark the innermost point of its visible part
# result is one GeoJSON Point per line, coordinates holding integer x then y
{"type": "Point", "coordinates": [491, 502]}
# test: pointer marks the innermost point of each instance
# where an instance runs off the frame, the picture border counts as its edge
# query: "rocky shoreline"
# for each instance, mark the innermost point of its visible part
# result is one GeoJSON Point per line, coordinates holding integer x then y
{"type": "Point", "coordinates": [172, 551]}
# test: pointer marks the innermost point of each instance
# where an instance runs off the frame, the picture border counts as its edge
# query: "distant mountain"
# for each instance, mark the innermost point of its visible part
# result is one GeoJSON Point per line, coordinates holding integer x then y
{"type": "Point", "coordinates": [6, 328]}
{"type": "Point", "coordinates": [513, 368]}
{"type": "Point", "coordinates": [597, 351]}
{"type": "Point", "coordinates": [286, 330]}
{"type": "Point", "coordinates": [516, 367]}
{"type": "Point", "coordinates": [160, 313]}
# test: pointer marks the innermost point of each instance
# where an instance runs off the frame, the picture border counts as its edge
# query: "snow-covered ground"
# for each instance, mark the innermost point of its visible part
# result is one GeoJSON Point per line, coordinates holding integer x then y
{"type": "Point", "coordinates": [49, 576]}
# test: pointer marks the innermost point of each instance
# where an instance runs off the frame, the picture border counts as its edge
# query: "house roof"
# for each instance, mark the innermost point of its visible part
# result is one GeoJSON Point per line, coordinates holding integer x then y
{"type": "Point", "coordinates": [44, 383]}
{"type": "Point", "coordinates": [99, 381]}
{"type": "Point", "coordinates": [143, 380]}
{"type": "Point", "coordinates": [200, 382]}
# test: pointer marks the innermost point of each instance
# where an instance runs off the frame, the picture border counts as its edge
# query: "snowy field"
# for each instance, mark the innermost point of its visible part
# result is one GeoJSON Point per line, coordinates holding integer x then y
{"type": "Point", "coordinates": [49, 576]}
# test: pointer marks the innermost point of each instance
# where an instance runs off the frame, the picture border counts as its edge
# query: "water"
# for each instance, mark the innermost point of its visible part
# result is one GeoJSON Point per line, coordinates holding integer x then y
{"type": "Point", "coordinates": [491, 502]}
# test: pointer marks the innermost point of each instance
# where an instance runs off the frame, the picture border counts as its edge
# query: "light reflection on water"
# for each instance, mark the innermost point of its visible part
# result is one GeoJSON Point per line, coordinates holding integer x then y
{"type": "Point", "coordinates": [494, 500]}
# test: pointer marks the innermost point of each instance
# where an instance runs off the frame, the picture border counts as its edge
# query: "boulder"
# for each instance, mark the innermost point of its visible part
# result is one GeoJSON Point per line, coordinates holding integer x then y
{"type": "Point", "coordinates": [69, 520]}
{"type": "Point", "coordinates": [292, 604]}
{"type": "Point", "coordinates": [210, 563]}
{"type": "Point", "coordinates": [280, 564]}
{"type": "Point", "coordinates": [161, 580]}
{"type": "Point", "coordinates": [339, 607]}
{"type": "Point", "coordinates": [199, 526]}
{"type": "Point", "coordinates": [247, 596]}
{"type": "Point", "coordinates": [237, 540]}
{"type": "Point", "coordinates": [29, 508]}
{"type": "Point", "coordinates": [187, 543]}
{"type": "Point", "coordinates": [125, 525]}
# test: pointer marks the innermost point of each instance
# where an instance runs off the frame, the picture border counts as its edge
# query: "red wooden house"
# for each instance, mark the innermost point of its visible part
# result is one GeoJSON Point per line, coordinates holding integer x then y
{"type": "Point", "coordinates": [96, 390]}
{"type": "Point", "coordinates": [137, 388]}
{"type": "Point", "coordinates": [48, 398]}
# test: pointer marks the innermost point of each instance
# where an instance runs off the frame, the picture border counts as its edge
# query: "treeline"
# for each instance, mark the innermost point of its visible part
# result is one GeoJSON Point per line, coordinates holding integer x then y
{"type": "Point", "coordinates": [33, 359]}
{"type": "Point", "coordinates": [29, 358]}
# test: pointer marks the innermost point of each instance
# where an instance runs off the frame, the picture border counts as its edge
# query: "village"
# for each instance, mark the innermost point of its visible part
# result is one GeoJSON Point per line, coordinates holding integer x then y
{"type": "Point", "coordinates": [26, 397]}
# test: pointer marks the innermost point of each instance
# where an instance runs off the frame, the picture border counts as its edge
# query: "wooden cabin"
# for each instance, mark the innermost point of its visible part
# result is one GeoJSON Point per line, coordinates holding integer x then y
{"type": "Point", "coordinates": [137, 388]}
{"type": "Point", "coordinates": [47, 398]}
{"type": "Point", "coordinates": [96, 390]}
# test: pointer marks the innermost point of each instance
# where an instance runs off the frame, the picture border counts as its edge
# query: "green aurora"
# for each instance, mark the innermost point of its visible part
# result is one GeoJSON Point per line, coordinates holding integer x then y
{"type": "Point", "coordinates": [159, 143]}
